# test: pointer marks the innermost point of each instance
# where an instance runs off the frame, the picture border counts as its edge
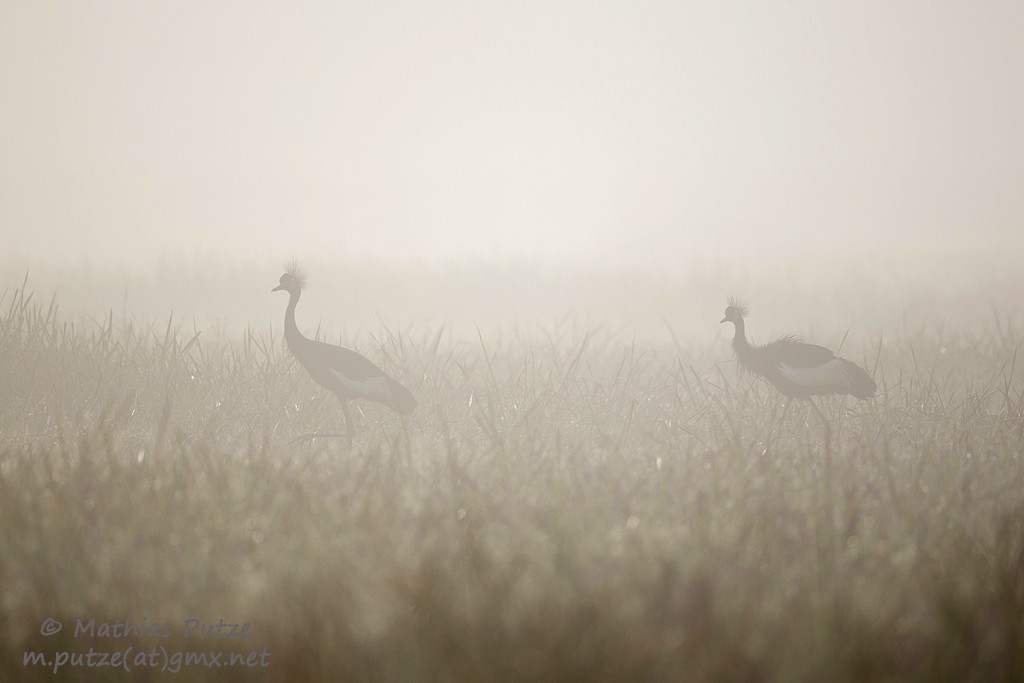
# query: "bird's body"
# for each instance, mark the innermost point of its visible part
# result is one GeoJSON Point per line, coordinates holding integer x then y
{"type": "Point", "coordinates": [801, 370]}
{"type": "Point", "coordinates": [347, 374]}
{"type": "Point", "coordinates": [798, 369]}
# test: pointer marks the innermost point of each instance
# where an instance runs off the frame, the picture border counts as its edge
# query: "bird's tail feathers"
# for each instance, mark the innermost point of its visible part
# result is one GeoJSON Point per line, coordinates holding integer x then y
{"type": "Point", "coordinates": [400, 399]}
{"type": "Point", "coordinates": [860, 384]}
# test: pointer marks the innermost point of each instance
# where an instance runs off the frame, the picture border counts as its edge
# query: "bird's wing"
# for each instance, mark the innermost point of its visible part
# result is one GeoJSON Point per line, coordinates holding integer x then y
{"type": "Point", "coordinates": [832, 375]}
{"type": "Point", "coordinates": [353, 365]}
{"type": "Point", "coordinates": [356, 372]}
{"type": "Point", "coordinates": [809, 365]}
{"type": "Point", "coordinates": [797, 354]}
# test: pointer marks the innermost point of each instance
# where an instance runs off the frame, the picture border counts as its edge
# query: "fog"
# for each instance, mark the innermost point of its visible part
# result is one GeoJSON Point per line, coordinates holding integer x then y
{"type": "Point", "coordinates": [596, 135]}
{"type": "Point", "coordinates": [521, 222]}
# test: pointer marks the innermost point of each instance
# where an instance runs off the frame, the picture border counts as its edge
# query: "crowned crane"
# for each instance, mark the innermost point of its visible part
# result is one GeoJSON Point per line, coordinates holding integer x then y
{"type": "Point", "coordinates": [348, 374]}
{"type": "Point", "coordinates": [797, 369]}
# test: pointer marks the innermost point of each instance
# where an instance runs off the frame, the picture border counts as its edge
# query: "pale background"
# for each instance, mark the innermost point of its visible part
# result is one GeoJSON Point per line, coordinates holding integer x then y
{"type": "Point", "coordinates": [160, 151]}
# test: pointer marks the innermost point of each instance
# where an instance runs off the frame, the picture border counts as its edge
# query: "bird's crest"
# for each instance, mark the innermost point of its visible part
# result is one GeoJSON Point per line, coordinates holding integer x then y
{"type": "Point", "coordinates": [739, 304]}
{"type": "Point", "coordinates": [292, 268]}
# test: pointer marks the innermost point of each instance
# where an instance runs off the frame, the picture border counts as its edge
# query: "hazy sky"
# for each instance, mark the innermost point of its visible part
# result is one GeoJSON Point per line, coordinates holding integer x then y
{"type": "Point", "coordinates": [589, 130]}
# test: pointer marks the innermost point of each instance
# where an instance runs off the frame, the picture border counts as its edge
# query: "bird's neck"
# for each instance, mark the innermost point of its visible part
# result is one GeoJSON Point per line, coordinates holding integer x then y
{"type": "Point", "coordinates": [739, 340]}
{"type": "Point", "coordinates": [291, 330]}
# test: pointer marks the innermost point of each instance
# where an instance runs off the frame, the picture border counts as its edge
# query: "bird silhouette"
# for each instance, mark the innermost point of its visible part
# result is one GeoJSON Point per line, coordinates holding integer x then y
{"type": "Point", "coordinates": [346, 373]}
{"type": "Point", "coordinates": [794, 367]}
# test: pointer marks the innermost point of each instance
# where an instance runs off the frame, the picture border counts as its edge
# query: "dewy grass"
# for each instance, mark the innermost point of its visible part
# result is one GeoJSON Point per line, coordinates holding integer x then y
{"type": "Point", "coordinates": [561, 507]}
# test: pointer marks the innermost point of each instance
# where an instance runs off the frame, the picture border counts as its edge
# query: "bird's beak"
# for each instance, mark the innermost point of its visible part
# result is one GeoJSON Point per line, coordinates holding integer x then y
{"type": "Point", "coordinates": [724, 320]}
{"type": "Point", "coordinates": [277, 288]}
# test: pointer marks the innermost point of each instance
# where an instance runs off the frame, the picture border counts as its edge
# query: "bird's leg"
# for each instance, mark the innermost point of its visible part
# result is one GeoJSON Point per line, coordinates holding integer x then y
{"type": "Point", "coordinates": [828, 497]}
{"type": "Point", "coordinates": [828, 425]}
{"type": "Point", "coordinates": [349, 425]}
{"type": "Point", "coordinates": [775, 428]}
{"type": "Point", "coordinates": [789, 399]}
{"type": "Point", "coordinates": [349, 429]}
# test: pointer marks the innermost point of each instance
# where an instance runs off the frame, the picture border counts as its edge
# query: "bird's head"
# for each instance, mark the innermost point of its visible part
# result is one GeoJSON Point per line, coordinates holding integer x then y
{"type": "Point", "coordinates": [292, 281]}
{"type": "Point", "coordinates": [735, 311]}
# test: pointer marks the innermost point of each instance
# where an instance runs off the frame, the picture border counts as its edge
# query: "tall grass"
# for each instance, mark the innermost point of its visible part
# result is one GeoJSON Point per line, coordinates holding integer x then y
{"type": "Point", "coordinates": [571, 505]}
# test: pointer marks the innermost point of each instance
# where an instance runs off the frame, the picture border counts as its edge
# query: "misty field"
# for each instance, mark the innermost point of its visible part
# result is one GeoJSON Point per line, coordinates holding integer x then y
{"type": "Point", "coordinates": [566, 504]}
